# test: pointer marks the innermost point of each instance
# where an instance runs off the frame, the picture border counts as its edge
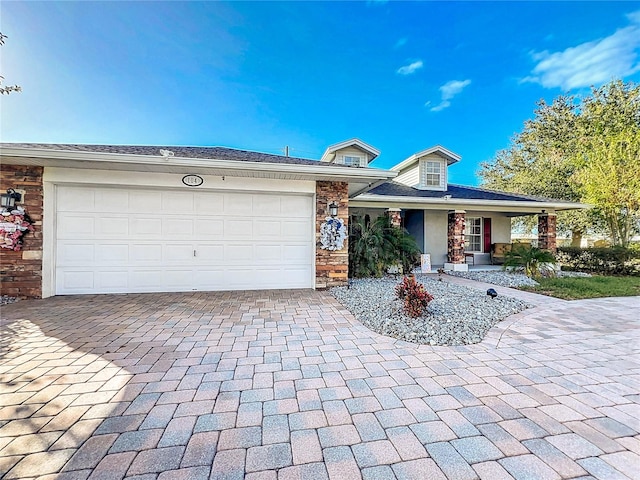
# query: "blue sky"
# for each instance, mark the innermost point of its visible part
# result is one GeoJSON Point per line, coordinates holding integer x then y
{"type": "Point", "coordinates": [401, 76]}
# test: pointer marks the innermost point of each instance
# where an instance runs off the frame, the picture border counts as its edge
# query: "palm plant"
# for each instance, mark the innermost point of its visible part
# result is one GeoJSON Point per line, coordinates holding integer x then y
{"type": "Point", "coordinates": [534, 261]}
{"type": "Point", "coordinates": [375, 246]}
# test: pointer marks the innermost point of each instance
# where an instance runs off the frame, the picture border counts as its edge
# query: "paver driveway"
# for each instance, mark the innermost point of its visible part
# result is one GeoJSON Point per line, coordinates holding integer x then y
{"type": "Point", "coordinates": [288, 385]}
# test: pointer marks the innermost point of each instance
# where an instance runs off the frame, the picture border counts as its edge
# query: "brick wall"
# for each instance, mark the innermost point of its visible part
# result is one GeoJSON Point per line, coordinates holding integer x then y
{"type": "Point", "coordinates": [332, 267]}
{"type": "Point", "coordinates": [455, 236]}
{"type": "Point", "coordinates": [21, 272]}
{"type": "Point", "coordinates": [547, 232]}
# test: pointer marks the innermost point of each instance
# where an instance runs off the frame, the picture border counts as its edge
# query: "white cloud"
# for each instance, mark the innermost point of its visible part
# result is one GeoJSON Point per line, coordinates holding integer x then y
{"type": "Point", "coordinates": [401, 42]}
{"type": "Point", "coordinates": [411, 68]}
{"type": "Point", "coordinates": [447, 92]}
{"type": "Point", "coordinates": [590, 63]}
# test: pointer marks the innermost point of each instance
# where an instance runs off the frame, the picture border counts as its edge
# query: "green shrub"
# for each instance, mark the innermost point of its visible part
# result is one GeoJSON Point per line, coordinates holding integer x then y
{"type": "Point", "coordinates": [534, 261]}
{"type": "Point", "coordinates": [602, 260]}
{"type": "Point", "coordinates": [415, 297]}
{"type": "Point", "coordinates": [376, 246]}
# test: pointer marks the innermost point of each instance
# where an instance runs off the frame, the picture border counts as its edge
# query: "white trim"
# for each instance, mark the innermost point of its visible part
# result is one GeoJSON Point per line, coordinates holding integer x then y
{"type": "Point", "coordinates": [354, 142]}
{"type": "Point", "coordinates": [526, 206]}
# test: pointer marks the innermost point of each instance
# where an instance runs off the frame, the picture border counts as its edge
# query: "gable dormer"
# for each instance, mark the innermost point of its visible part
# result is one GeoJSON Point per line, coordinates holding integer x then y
{"type": "Point", "coordinates": [426, 170]}
{"type": "Point", "coordinates": [352, 152]}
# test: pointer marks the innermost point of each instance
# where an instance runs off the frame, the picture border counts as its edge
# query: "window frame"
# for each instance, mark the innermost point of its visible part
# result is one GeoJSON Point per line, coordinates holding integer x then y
{"type": "Point", "coordinates": [429, 174]}
{"type": "Point", "coordinates": [351, 158]}
{"type": "Point", "coordinates": [479, 236]}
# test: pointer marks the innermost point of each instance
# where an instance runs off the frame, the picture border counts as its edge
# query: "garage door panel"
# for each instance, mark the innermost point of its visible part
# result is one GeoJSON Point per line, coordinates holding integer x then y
{"type": "Point", "coordinates": [299, 254]}
{"type": "Point", "coordinates": [268, 228]}
{"type": "Point", "coordinates": [238, 204]}
{"type": "Point", "coordinates": [238, 254]}
{"type": "Point", "coordinates": [146, 279]}
{"type": "Point", "coordinates": [268, 253]}
{"type": "Point", "coordinates": [296, 230]}
{"type": "Point", "coordinates": [209, 278]}
{"type": "Point", "coordinates": [110, 200]}
{"type": "Point", "coordinates": [209, 253]}
{"type": "Point", "coordinates": [75, 281]}
{"type": "Point", "coordinates": [145, 201]}
{"type": "Point", "coordinates": [112, 226]}
{"type": "Point", "coordinates": [116, 281]}
{"type": "Point", "coordinates": [177, 227]}
{"type": "Point", "coordinates": [75, 199]}
{"type": "Point", "coordinates": [177, 253]}
{"type": "Point", "coordinates": [179, 279]}
{"type": "Point", "coordinates": [76, 226]}
{"type": "Point", "coordinates": [208, 228]}
{"type": "Point", "coordinates": [209, 203]}
{"type": "Point", "coordinates": [296, 207]}
{"type": "Point", "coordinates": [136, 240]}
{"type": "Point", "coordinates": [145, 253]}
{"type": "Point", "coordinates": [144, 227]}
{"type": "Point", "coordinates": [238, 229]}
{"type": "Point", "coordinates": [112, 254]}
{"type": "Point", "coordinates": [73, 253]}
{"type": "Point", "coordinates": [267, 206]}
{"type": "Point", "coordinates": [178, 202]}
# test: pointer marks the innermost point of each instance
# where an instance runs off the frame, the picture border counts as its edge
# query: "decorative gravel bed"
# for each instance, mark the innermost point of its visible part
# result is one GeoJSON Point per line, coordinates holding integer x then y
{"type": "Point", "coordinates": [457, 316]}
{"type": "Point", "coordinates": [498, 277]}
{"type": "Point", "coordinates": [5, 299]}
{"type": "Point", "coordinates": [510, 279]}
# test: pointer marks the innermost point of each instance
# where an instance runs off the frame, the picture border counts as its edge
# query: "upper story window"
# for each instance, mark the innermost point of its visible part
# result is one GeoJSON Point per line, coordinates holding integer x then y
{"type": "Point", "coordinates": [432, 174]}
{"type": "Point", "coordinates": [352, 160]}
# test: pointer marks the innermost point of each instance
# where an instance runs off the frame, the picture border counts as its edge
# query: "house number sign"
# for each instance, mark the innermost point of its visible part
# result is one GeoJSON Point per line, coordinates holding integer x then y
{"type": "Point", "coordinates": [192, 180]}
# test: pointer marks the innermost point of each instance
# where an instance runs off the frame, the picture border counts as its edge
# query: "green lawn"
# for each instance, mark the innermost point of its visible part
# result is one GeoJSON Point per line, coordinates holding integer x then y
{"type": "Point", "coordinates": [575, 288]}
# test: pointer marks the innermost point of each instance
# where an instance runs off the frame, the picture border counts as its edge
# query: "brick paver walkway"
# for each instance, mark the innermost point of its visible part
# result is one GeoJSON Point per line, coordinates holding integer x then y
{"type": "Point", "coordinates": [288, 385]}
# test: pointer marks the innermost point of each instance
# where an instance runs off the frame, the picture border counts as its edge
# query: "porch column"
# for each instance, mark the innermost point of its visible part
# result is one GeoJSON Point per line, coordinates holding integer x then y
{"type": "Point", "coordinates": [547, 231]}
{"type": "Point", "coordinates": [332, 266]}
{"type": "Point", "coordinates": [394, 217]}
{"type": "Point", "coordinates": [455, 236]}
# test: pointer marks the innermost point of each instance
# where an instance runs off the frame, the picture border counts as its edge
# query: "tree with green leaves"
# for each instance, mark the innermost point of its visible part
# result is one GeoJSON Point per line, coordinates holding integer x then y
{"type": "Point", "coordinates": [564, 152]}
{"type": "Point", "coordinates": [9, 88]}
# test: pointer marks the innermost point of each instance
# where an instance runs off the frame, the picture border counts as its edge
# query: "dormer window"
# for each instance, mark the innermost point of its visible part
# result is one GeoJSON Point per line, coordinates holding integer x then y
{"type": "Point", "coordinates": [352, 161]}
{"type": "Point", "coordinates": [432, 174]}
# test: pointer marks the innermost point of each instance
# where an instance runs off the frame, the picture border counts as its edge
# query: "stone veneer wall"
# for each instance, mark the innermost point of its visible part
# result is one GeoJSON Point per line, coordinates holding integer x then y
{"type": "Point", "coordinates": [547, 231]}
{"type": "Point", "coordinates": [332, 267]}
{"type": "Point", "coordinates": [455, 236]}
{"type": "Point", "coordinates": [21, 272]}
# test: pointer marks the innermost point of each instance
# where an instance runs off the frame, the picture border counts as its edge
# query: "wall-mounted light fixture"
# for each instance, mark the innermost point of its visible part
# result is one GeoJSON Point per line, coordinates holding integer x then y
{"type": "Point", "coordinates": [333, 209]}
{"type": "Point", "coordinates": [8, 200]}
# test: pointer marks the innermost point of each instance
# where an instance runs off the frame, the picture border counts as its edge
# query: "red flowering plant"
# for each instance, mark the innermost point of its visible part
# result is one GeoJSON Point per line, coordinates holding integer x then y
{"type": "Point", "coordinates": [14, 225]}
{"type": "Point", "coordinates": [415, 297]}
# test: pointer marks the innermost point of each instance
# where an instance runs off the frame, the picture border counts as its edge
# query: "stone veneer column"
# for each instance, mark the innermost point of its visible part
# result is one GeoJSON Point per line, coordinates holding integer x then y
{"type": "Point", "coordinates": [547, 231]}
{"type": "Point", "coordinates": [455, 236]}
{"type": "Point", "coordinates": [21, 272]}
{"type": "Point", "coordinates": [394, 217]}
{"type": "Point", "coordinates": [332, 267]}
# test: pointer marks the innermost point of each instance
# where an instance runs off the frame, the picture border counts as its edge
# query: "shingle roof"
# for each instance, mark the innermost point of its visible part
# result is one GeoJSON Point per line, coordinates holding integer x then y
{"type": "Point", "coordinates": [218, 153]}
{"type": "Point", "coordinates": [395, 189]}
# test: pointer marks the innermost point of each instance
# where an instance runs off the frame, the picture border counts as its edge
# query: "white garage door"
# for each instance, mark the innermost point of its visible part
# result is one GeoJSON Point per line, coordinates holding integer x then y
{"type": "Point", "coordinates": [134, 240]}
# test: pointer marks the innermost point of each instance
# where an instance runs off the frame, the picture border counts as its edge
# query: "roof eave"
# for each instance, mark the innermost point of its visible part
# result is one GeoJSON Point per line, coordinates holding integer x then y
{"type": "Point", "coordinates": [47, 157]}
{"type": "Point", "coordinates": [466, 203]}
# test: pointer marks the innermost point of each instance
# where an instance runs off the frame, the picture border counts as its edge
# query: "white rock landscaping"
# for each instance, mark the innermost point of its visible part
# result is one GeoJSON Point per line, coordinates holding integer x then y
{"type": "Point", "coordinates": [458, 315]}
